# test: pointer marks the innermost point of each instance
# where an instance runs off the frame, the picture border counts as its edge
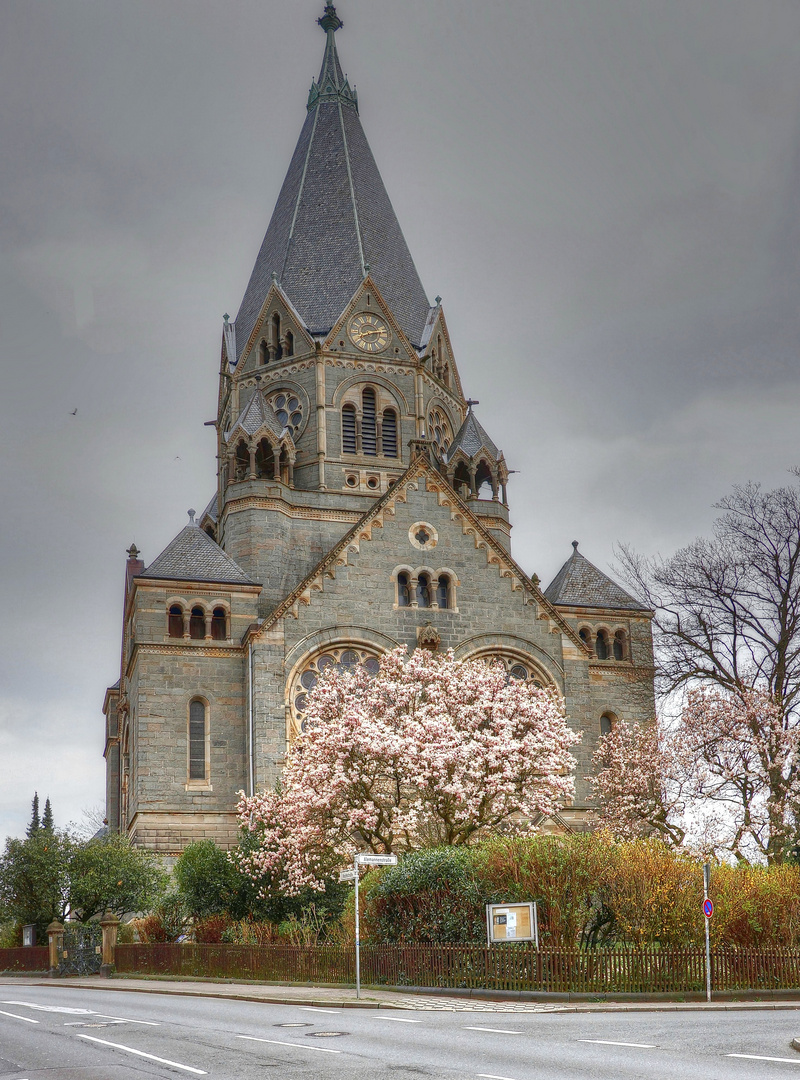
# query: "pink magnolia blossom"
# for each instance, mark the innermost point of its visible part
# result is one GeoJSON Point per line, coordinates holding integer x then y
{"type": "Point", "coordinates": [429, 751]}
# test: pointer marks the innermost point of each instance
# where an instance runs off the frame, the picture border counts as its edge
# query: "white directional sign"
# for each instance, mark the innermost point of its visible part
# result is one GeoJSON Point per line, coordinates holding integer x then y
{"type": "Point", "coordinates": [376, 860]}
{"type": "Point", "coordinates": [347, 875]}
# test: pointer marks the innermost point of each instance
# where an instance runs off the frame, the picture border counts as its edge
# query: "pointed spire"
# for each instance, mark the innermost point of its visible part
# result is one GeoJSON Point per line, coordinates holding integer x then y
{"type": "Point", "coordinates": [332, 85]}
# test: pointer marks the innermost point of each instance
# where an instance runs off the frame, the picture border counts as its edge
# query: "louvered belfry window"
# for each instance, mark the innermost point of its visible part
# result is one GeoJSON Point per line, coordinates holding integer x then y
{"type": "Point", "coordinates": [349, 429]}
{"type": "Point", "coordinates": [369, 438]}
{"type": "Point", "coordinates": [389, 433]}
{"type": "Point", "coordinates": [197, 741]}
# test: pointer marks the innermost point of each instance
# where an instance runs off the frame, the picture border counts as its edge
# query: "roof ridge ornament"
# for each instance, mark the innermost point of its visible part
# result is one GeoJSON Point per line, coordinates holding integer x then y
{"type": "Point", "coordinates": [330, 21]}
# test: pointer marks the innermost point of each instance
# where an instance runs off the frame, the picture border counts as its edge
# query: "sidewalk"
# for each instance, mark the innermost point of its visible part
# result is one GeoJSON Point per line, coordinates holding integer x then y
{"type": "Point", "coordinates": [425, 999]}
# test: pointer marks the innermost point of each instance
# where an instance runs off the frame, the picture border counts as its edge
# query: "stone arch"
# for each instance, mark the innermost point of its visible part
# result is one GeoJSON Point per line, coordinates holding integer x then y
{"type": "Point", "coordinates": [510, 644]}
{"type": "Point", "coordinates": [370, 378]}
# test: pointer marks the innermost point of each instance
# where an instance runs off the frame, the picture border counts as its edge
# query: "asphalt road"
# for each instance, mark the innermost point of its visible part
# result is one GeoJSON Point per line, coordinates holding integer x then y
{"type": "Point", "coordinates": [60, 1033]}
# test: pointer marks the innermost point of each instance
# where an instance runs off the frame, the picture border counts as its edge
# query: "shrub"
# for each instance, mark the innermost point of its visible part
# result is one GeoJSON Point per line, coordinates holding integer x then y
{"type": "Point", "coordinates": [755, 906]}
{"type": "Point", "coordinates": [430, 896]}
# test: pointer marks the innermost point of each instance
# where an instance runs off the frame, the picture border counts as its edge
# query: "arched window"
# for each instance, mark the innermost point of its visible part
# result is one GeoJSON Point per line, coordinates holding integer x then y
{"type": "Point", "coordinates": [585, 636]}
{"type": "Point", "coordinates": [620, 646]}
{"type": "Point", "coordinates": [242, 460]}
{"type": "Point", "coordinates": [403, 591]}
{"type": "Point", "coordinates": [601, 645]}
{"type": "Point", "coordinates": [263, 353]}
{"type": "Point", "coordinates": [348, 429]}
{"type": "Point", "coordinates": [289, 339]}
{"type": "Point", "coordinates": [264, 461]}
{"type": "Point", "coordinates": [443, 591]}
{"type": "Point", "coordinates": [176, 621]}
{"type": "Point", "coordinates": [389, 433]}
{"type": "Point", "coordinates": [197, 741]}
{"type": "Point", "coordinates": [197, 623]}
{"type": "Point", "coordinates": [276, 336]}
{"type": "Point", "coordinates": [219, 624]}
{"type": "Point", "coordinates": [423, 591]}
{"type": "Point", "coordinates": [369, 436]}
{"type": "Point", "coordinates": [606, 724]}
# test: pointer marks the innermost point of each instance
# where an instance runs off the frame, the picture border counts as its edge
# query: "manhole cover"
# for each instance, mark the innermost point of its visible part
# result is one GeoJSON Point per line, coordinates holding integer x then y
{"type": "Point", "coordinates": [325, 1034]}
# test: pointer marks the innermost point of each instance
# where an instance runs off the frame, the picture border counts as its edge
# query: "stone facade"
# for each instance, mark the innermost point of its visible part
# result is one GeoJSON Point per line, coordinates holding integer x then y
{"type": "Point", "coordinates": [359, 504]}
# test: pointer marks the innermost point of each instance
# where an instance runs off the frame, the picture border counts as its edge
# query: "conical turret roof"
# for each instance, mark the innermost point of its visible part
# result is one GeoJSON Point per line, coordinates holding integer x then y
{"type": "Point", "coordinates": [333, 221]}
{"type": "Point", "coordinates": [580, 584]}
{"type": "Point", "coordinates": [471, 437]}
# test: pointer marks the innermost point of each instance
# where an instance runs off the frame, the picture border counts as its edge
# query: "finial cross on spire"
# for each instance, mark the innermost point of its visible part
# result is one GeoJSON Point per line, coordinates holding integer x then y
{"type": "Point", "coordinates": [330, 21]}
{"type": "Point", "coordinates": [471, 402]}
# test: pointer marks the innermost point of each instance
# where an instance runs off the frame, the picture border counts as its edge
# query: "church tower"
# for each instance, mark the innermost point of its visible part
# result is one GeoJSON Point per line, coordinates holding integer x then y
{"type": "Point", "coordinates": [359, 505]}
{"type": "Point", "coordinates": [335, 361]}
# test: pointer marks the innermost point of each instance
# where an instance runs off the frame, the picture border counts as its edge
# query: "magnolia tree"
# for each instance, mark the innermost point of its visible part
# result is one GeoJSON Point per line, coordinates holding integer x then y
{"type": "Point", "coordinates": [428, 751]}
{"type": "Point", "coordinates": [726, 776]}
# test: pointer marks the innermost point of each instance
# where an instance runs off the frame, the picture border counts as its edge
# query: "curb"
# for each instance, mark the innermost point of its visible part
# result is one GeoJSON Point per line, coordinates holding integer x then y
{"type": "Point", "coordinates": [560, 1006]}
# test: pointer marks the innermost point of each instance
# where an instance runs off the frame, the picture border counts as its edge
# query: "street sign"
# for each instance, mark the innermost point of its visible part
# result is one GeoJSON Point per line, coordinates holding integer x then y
{"type": "Point", "coordinates": [376, 860]}
{"type": "Point", "coordinates": [708, 908]}
{"type": "Point", "coordinates": [348, 875]}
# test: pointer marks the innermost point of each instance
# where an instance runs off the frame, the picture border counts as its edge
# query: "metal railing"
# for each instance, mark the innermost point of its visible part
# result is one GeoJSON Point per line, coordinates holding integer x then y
{"type": "Point", "coordinates": [504, 967]}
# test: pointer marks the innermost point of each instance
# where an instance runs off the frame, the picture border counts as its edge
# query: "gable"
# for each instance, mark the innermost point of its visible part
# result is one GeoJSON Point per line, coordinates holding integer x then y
{"type": "Point", "coordinates": [439, 351]}
{"type": "Point", "coordinates": [460, 538]}
{"type": "Point", "coordinates": [264, 332]}
{"type": "Point", "coordinates": [365, 306]}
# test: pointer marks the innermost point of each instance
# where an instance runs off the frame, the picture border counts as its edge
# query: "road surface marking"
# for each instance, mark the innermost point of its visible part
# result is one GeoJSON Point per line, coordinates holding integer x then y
{"type": "Point", "coordinates": [758, 1057]}
{"type": "Point", "coordinates": [301, 1046]}
{"type": "Point", "coordinates": [127, 1020]}
{"type": "Point", "coordinates": [608, 1042]}
{"type": "Point", "coordinates": [491, 1076]}
{"type": "Point", "coordinates": [51, 1008]}
{"type": "Point", "coordinates": [83, 1023]}
{"type": "Point", "coordinates": [141, 1053]}
{"type": "Point", "coordinates": [27, 1019]}
{"type": "Point", "coordinates": [400, 1020]}
{"type": "Point", "coordinates": [498, 1031]}
{"type": "Point", "coordinates": [313, 1008]}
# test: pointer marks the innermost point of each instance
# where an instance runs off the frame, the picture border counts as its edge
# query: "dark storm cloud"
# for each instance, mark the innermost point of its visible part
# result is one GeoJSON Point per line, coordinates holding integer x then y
{"type": "Point", "coordinates": [606, 194]}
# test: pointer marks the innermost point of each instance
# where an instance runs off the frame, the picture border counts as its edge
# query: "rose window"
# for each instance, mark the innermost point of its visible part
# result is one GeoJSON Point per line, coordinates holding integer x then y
{"type": "Point", "coordinates": [517, 669]}
{"type": "Point", "coordinates": [289, 410]}
{"type": "Point", "coordinates": [439, 431]}
{"type": "Point", "coordinates": [344, 659]}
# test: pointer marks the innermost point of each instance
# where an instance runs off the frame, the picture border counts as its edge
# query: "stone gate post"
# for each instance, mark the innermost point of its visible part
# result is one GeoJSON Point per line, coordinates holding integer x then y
{"type": "Point", "coordinates": [55, 939]}
{"type": "Point", "coordinates": [110, 926]}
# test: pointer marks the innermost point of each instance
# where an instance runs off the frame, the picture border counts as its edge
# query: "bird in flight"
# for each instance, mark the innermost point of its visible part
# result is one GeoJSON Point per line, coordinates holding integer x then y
{"type": "Point", "coordinates": [74, 412]}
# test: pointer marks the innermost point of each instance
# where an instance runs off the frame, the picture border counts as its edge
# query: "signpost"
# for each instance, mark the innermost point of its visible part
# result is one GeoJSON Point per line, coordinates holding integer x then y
{"type": "Point", "coordinates": [708, 911]}
{"type": "Point", "coordinates": [353, 875]}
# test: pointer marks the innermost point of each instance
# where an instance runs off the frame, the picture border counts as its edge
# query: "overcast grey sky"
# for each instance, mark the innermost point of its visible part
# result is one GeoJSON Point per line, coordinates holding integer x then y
{"type": "Point", "coordinates": [616, 182]}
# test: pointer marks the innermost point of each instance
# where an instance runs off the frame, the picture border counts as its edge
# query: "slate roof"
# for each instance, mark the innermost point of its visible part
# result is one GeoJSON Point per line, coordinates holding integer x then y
{"type": "Point", "coordinates": [256, 414]}
{"type": "Point", "coordinates": [211, 510]}
{"type": "Point", "coordinates": [333, 218]}
{"type": "Point", "coordinates": [193, 556]}
{"type": "Point", "coordinates": [580, 584]}
{"type": "Point", "coordinates": [471, 437]}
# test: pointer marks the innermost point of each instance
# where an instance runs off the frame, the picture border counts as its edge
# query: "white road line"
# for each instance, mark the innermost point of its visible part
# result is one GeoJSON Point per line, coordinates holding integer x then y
{"type": "Point", "coordinates": [608, 1042]}
{"type": "Point", "coordinates": [491, 1076]}
{"type": "Point", "coordinates": [50, 1008]}
{"type": "Point", "coordinates": [313, 1008]}
{"type": "Point", "coordinates": [27, 1019]}
{"type": "Point", "coordinates": [498, 1031]}
{"type": "Point", "coordinates": [127, 1020]}
{"type": "Point", "coordinates": [400, 1020]}
{"type": "Point", "coordinates": [758, 1057]}
{"type": "Point", "coordinates": [301, 1046]}
{"type": "Point", "coordinates": [141, 1053]}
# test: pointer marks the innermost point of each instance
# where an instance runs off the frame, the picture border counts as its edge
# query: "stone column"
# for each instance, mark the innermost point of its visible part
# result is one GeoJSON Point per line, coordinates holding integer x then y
{"type": "Point", "coordinates": [322, 440]}
{"type": "Point", "coordinates": [276, 463]}
{"type": "Point", "coordinates": [209, 617]}
{"type": "Point", "coordinates": [473, 484]}
{"type": "Point", "coordinates": [253, 471]}
{"type": "Point", "coordinates": [110, 926]}
{"type": "Point", "coordinates": [55, 939]}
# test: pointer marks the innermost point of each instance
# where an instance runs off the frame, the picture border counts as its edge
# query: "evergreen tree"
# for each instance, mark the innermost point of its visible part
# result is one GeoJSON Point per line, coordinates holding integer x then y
{"type": "Point", "coordinates": [47, 816]}
{"type": "Point", "coordinates": [35, 824]}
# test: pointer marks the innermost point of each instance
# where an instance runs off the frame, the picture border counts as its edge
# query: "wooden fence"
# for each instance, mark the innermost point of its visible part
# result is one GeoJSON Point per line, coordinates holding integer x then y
{"type": "Point", "coordinates": [32, 958]}
{"type": "Point", "coordinates": [502, 967]}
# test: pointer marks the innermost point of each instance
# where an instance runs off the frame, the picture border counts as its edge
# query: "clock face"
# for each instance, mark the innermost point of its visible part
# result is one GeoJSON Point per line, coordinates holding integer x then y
{"type": "Point", "coordinates": [368, 332]}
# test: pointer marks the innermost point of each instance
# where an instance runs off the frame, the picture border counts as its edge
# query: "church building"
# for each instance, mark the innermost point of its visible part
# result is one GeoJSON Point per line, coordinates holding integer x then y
{"type": "Point", "coordinates": [358, 505]}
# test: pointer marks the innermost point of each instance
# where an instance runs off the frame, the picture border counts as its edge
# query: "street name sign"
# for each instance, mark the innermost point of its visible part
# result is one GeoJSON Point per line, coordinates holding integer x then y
{"type": "Point", "coordinates": [348, 875]}
{"type": "Point", "coordinates": [376, 860]}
